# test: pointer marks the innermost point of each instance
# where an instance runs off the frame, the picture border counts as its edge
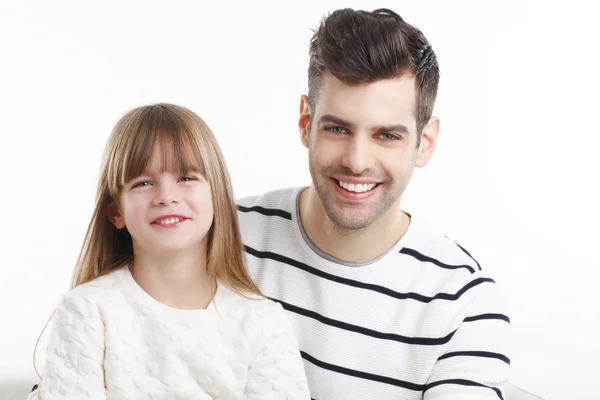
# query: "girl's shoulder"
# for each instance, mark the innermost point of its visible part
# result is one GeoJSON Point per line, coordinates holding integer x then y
{"type": "Point", "coordinates": [99, 288]}
{"type": "Point", "coordinates": [250, 307]}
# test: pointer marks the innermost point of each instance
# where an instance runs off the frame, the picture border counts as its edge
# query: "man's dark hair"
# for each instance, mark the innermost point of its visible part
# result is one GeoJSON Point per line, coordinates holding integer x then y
{"type": "Point", "coordinates": [362, 47]}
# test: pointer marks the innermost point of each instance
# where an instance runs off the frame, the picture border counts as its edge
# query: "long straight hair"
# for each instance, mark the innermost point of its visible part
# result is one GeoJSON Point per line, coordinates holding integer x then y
{"type": "Point", "coordinates": [188, 145]}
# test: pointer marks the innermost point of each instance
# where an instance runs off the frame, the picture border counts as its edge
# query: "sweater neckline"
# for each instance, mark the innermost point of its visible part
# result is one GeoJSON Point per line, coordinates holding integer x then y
{"type": "Point", "coordinates": [299, 229]}
{"type": "Point", "coordinates": [156, 306]}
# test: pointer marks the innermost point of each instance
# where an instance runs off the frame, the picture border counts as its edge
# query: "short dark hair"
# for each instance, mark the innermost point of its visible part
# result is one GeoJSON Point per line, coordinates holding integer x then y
{"type": "Point", "coordinates": [358, 46]}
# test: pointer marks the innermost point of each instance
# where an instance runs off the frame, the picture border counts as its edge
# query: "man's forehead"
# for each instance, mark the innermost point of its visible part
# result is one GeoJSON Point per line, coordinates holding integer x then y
{"type": "Point", "coordinates": [384, 102]}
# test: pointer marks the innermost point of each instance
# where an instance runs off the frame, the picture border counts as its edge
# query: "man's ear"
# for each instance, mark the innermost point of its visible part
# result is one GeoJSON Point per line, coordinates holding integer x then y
{"type": "Point", "coordinates": [304, 120]}
{"type": "Point", "coordinates": [428, 142]}
{"type": "Point", "coordinates": [114, 215]}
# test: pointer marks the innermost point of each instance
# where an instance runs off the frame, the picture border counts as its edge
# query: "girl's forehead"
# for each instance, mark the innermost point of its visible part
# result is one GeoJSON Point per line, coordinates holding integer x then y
{"type": "Point", "coordinates": [168, 154]}
{"type": "Point", "coordinates": [156, 167]}
{"type": "Point", "coordinates": [172, 165]}
{"type": "Point", "coordinates": [157, 162]}
{"type": "Point", "coordinates": [167, 157]}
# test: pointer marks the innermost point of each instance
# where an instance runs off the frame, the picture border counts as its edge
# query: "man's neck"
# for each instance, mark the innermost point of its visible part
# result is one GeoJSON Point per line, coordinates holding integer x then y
{"type": "Point", "coordinates": [179, 281]}
{"type": "Point", "coordinates": [352, 246]}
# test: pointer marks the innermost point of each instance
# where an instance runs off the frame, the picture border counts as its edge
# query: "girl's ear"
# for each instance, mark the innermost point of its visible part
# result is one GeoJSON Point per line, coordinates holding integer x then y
{"type": "Point", "coordinates": [113, 213]}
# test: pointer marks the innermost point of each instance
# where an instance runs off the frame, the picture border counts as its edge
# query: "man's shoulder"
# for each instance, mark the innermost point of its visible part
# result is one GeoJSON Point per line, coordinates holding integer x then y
{"type": "Point", "coordinates": [267, 214]}
{"type": "Point", "coordinates": [450, 270]}
{"type": "Point", "coordinates": [428, 243]}
{"type": "Point", "coordinates": [280, 202]}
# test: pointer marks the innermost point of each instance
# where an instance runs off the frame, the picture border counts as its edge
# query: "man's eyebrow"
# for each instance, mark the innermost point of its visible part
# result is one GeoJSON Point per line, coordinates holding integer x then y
{"type": "Point", "coordinates": [335, 120]}
{"type": "Point", "coordinates": [400, 128]}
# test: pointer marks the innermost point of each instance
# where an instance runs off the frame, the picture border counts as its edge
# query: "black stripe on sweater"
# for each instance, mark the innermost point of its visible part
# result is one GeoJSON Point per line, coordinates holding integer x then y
{"type": "Point", "coordinates": [367, 286]}
{"type": "Point", "coordinates": [424, 258]}
{"type": "Point", "coordinates": [271, 212]}
{"type": "Point", "coordinates": [462, 382]}
{"type": "Point", "coordinates": [469, 254]}
{"type": "Point", "coordinates": [365, 331]}
{"type": "Point", "coordinates": [480, 317]}
{"type": "Point", "coordinates": [484, 354]}
{"type": "Point", "coordinates": [361, 374]}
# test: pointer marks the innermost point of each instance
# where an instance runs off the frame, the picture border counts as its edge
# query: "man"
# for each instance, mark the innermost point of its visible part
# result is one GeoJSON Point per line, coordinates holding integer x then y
{"type": "Point", "coordinates": [384, 307]}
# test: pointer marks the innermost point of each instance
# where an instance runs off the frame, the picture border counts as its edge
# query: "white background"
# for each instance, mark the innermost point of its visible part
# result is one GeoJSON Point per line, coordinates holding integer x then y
{"type": "Point", "coordinates": [514, 178]}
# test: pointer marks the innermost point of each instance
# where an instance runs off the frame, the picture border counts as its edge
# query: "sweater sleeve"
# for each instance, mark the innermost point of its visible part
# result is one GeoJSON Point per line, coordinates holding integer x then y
{"type": "Point", "coordinates": [277, 371]}
{"type": "Point", "coordinates": [474, 364]}
{"type": "Point", "coordinates": [75, 357]}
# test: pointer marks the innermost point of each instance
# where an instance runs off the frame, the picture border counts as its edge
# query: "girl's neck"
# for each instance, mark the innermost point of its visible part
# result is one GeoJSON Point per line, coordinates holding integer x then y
{"type": "Point", "coordinates": [180, 282]}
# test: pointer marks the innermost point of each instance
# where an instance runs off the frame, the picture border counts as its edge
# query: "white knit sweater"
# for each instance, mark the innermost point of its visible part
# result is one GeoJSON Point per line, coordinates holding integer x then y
{"type": "Point", "coordinates": [111, 340]}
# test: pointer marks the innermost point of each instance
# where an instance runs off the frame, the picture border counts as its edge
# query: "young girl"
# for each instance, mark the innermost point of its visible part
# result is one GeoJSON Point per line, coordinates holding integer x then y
{"type": "Point", "coordinates": [162, 306]}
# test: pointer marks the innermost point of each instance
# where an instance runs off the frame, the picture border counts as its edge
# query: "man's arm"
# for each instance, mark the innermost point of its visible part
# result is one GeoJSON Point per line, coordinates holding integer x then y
{"type": "Point", "coordinates": [475, 364]}
{"type": "Point", "coordinates": [34, 393]}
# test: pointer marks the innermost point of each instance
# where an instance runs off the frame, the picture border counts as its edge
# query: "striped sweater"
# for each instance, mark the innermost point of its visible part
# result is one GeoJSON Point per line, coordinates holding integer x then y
{"type": "Point", "coordinates": [422, 321]}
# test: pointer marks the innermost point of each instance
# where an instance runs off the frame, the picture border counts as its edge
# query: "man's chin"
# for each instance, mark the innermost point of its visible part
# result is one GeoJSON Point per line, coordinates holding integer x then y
{"type": "Point", "coordinates": [350, 220]}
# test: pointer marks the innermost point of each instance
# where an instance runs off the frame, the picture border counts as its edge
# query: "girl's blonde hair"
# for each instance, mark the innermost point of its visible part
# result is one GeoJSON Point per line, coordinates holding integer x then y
{"type": "Point", "coordinates": [188, 145]}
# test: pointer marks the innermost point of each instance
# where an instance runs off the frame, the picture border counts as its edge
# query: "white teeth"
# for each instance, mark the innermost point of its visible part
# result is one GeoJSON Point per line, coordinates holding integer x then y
{"type": "Point", "coordinates": [169, 221]}
{"type": "Point", "coordinates": [358, 187]}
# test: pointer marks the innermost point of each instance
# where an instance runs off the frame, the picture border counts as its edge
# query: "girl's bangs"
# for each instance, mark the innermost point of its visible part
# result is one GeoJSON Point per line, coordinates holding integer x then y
{"type": "Point", "coordinates": [180, 150]}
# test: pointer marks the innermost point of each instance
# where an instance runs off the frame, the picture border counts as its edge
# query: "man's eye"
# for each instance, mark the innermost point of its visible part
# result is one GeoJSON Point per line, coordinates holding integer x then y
{"type": "Point", "coordinates": [335, 129]}
{"type": "Point", "coordinates": [389, 136]}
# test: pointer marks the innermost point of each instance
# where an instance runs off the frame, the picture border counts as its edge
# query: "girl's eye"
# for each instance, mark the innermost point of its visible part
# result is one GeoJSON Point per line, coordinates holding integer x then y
{"type": "Point", "coordinates": [141, 184]}
{"type": "Point", "coordinates": [188, 178]}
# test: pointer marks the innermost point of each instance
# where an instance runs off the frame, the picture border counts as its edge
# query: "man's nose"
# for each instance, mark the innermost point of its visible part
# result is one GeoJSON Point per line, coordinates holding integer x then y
{"type": "Point", "coordinates": [359, 154]}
